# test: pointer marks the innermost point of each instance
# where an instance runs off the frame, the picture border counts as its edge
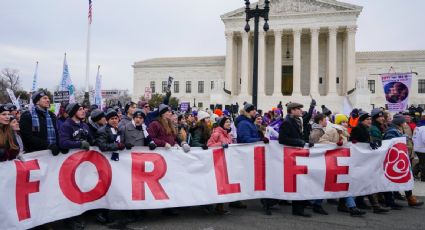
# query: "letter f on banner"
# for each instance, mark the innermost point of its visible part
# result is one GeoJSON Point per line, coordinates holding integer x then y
{"type": "Point", "coordinates": [290, 167]}
{"type": "Point", "coordinates": [140, 176]}
{"type": "Point", "coordinates": [24, 187]}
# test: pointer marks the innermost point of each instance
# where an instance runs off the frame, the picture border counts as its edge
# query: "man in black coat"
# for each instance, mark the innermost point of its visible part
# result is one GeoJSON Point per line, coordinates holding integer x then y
{"type": "Point", "coordinates": [290, 133]}
{"type": "Point", "coordinates": [38, 126]}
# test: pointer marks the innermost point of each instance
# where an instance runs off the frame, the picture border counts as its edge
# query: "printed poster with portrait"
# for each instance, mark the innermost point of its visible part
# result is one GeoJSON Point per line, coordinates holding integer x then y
{"type": "Point", "coordinates": [397, 90]}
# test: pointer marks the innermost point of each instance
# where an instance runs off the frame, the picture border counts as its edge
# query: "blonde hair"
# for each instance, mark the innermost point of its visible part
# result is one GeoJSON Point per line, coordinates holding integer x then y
{"type": "Point", "coordinates": [167, 124]}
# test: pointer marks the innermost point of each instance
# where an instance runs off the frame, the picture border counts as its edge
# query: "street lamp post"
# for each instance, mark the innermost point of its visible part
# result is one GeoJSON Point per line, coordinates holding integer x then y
{"type": "Point", "coordinates": [256, 14]}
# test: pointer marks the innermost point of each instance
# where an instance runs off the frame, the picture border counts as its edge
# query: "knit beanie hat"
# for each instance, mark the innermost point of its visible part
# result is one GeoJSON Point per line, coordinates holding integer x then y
{"type": "Point", "coordinates": [248, 107]}
{"type": "Point", "coordinates": [363, 116]}
{"type": "Point", "coordinates": [326, 111]}
{"type": "Point", "coordinates": [398, 119]}
{"type": "Point", "coordinates": [96, 115]}
{"type": "Point", "coordinates": [203, 115]}
{"type": "Point", "coordinates": [111, 113]}
{"type": "Point", "coordinates": [163, 109]}
{"type": "Point", "coordinates": [218, 112]}
{"type": "Point", "coordinates": [376, 113]}
{"type": "Point", "coordinates": [339, 118]}
{"type": "Point", "coordinates": [37, 96]}
{"type": "Point", "coordinates": [139, 113]}
{"type": "Point", "coordinates": [222, 121]}
{"type": "Point", "coordinates": [4, 108]}
{"type": "Point", "coordinates": [72, 109]}
{"type": "Point", "coordinates": [127, 106]}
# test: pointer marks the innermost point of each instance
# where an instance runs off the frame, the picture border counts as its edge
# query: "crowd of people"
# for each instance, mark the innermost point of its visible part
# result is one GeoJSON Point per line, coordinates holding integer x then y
{"type": "Point", "coordinates": [137, 124]}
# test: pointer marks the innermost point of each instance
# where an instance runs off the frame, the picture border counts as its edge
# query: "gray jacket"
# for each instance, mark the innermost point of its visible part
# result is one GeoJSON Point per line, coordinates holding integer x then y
{"type": "Point", "coordinates": [130, 135]}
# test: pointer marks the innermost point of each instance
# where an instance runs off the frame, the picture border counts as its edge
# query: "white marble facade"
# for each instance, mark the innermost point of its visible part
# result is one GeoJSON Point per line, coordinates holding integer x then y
{"type": "Point", "coordinates": [313, 38]}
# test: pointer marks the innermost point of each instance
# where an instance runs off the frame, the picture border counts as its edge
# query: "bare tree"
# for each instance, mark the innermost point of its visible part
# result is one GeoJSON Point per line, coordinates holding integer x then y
{"type": "Point", "coordinates": [11, 79]}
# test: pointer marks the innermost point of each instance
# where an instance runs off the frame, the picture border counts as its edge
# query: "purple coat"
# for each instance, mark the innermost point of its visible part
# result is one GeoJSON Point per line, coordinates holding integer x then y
{"type": "Point", "coordinates": [159, 136]}
{"type": "Point", "coordinates": [71, 134]}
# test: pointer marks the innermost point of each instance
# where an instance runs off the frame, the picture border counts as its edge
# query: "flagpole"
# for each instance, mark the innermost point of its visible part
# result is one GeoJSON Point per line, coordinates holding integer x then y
{"type": "Point", "coordinates": [86, 94]}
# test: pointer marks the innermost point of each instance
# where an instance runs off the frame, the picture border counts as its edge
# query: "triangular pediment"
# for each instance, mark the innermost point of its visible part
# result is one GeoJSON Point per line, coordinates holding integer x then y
{"type": "Point", "coordinates": [284, 7]}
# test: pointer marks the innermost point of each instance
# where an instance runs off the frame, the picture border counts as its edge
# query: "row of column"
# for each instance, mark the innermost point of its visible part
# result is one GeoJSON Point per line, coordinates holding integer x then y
{"type": "Point", "coordinates": [314, 61]}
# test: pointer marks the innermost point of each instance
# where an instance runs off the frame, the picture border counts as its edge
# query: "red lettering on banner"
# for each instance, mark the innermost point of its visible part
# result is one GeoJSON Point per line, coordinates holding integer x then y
{"type": "Point", "coordinates": [24, 187]}
{"type": "Point", "coordinates": [333, 170]}
{"type": "Point", "coordinates": [221, 175]}
{"type": "Point", "coordinates": [67, 181]}
{"type": "Point", "coordinates": [260, 168]}
{"type": "Point", "coordinates": [290, 167]}
{"type": "Point", "coordinates": [140, 176]}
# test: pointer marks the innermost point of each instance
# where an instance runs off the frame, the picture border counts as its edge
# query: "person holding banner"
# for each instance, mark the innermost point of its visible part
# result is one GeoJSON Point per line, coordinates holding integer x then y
{"type": "Point", "coordinates": [109, 137]}
{"type": "Point", "coordinates": [9, 150]}
{"type": "Point", "coordinates": [96, 120]}
{"type": "Point", "coordinates": [133, 133]}
{"type": "Point", "coordinates": [129, 109]}
{"type": "Point", "coordinates": [74, 133]}
{"type": "Point", "coordinates": [38, 126]}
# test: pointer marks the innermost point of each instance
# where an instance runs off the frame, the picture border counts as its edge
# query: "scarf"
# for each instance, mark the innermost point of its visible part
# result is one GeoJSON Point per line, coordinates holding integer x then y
{"type": "Point", "coordinates": [51, 133]}
{"type": "Point", "coordinates": [35, 122]}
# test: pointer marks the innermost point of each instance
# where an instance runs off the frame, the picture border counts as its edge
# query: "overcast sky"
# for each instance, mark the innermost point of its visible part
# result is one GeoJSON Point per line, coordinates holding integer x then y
{"type": "Point", "coordinates": [127, 31]}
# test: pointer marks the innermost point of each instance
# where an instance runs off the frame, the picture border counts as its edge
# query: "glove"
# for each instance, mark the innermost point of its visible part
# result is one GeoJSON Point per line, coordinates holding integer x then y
{"type": "Point", "coordinates": [54, 148]}
{"type": "Point", "coordinates": [339, 143]}
{"type": "Point", "coordinates": [129, 146]}
{"type": "Point", "coordinates": [266, 140]}
{"type": "Point", "coordinates": [374, 145]}
{"type": "Point", "coordinates": [121, 146]}
{"type": "Point", "coordinates": [354, 141]}
{"type": "Point", "coordinates": [313, 103]}
{"type": "Point", "coordinates": [167, 146]}
{"type": "Point", "coordinates": [310, 144]}
{"type": "Point", "coordinates": [186, 147]}
{"type": "Point", "coordinates": [85, 145]}
{"type": "Point", "coordinates": [152, 145]}
{"type": "Point", "coordinates": [204, 147]}
{"type": "Point", "coordinates": [379, 143]}
{"type": "Point", "coordinates": [115, 156]}
{"type": "Point", "coordinates": [225, 146]}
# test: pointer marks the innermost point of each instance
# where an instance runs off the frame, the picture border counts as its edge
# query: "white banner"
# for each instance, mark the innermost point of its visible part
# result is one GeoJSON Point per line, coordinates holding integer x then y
{"type": "Point", "coordinates": [397, 88]}
{"type": "Point", "coordinates": [13, 98]}
{"type": "Point", "coordinates": [45, 188]}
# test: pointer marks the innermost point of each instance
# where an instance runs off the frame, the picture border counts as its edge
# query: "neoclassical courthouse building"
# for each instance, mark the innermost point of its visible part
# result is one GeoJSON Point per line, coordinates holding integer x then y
{"type": "Point", "coordinates": [309, 52]}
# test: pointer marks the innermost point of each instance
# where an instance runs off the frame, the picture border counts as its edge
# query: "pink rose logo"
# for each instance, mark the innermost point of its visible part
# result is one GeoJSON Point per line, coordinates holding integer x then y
{"type": "Point", "coordinates": [397, 164]}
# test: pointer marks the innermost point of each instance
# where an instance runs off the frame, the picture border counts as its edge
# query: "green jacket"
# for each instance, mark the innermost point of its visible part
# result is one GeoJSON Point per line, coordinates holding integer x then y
{"type": "Point", "coordinates": [375, 133]}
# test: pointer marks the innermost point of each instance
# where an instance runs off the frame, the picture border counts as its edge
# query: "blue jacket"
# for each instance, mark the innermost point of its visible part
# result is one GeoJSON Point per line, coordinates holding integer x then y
{"type": "Point", "coordinates": [152, 116]}
{"type": "Point", "coordinates": [72, 134]}
{"type": "Point", "coordinates": [247, 131]}
{"type": "Point", "coordinates": [392, 132]}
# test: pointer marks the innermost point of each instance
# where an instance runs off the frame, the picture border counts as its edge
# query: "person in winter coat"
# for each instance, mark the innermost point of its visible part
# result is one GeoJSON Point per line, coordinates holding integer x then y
{"type": "Point", "coordinates": [129, 109]}
{"type": "Point", "coordinates": [290, 133]}
{"type": "Point", "coordinates": [62, 116]}
{"type": "Point", "coordinates": [14, 124]}
{"type": "Point", "coordinates": [318, 128]}
{"type": "Point", "coordinates": [38, 126]}
{"type": "Point", "coordinates": [153, 115]}
{"type": "Point", "coordinates": [133, 133]}
{"type": "Point", "coordinates": [377, 129]}
{"type": "Point", "coordinates": [201, 132]}
{"type": "Point", "coordinates": [353, 120]}
{"type": "Point", "coordinates": [306, 118]}
{"type": "Point", "coordinates": [161, 130]}
{"type": "Point", "coordinates": [419, 147]}
{"type": "Point", "coordinates": [361, 134]}
{"type": "Point", "coordinates": [246, 130]}
{"type": "Point", "coordinates": [221, 135]}
{"type": "Point", "coordinates": [395, 131]}
{"type": "Point", "coordinates": [9, 149]}
{"type": "Point", "coordinates": [96, 120]}
{"type": "Point", "coordinates": [74, 133]}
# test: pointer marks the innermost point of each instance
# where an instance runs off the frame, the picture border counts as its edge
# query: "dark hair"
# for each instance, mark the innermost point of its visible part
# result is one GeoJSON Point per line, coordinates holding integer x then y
{"type": "Point", "coordinates": [319, 117]}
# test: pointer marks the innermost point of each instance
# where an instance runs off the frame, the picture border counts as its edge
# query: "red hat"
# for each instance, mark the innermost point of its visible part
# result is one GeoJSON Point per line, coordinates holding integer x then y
{"type": "Point", "coordinates": [218, 112]}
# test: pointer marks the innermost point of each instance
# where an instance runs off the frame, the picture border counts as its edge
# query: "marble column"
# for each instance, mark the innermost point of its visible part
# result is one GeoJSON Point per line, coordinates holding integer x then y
{"type": "Point", "coordinates": [314, 62]}
{"type": "Point", "coordinates": [245, 63]}
{"type": "Point", "coordinates": [277, 92]}
{"type": "Point", "coordinates": [229, 71]}
{"type": "Point", "coordinates": [297, 62]}
{"type": "Point", "coordinates": [261, 63]}
{"type": "Point", "coordinates": [332, 61]}
{"type": "Point", "coordinates": [351, 59]}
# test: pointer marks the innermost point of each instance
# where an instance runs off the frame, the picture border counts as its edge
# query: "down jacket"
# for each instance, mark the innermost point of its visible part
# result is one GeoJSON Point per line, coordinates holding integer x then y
{"type": "Point", "coordinates": [219, 137]}
{"type": "Point", "coordinates": [247, 131]}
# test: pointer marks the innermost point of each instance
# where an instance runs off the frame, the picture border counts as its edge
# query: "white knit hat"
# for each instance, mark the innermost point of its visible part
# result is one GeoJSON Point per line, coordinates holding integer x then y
{"type": "Point", "coordinates": [202, 115]}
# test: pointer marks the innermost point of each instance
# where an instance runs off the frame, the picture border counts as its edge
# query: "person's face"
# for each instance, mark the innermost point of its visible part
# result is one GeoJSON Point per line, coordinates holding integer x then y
{"type": "Point", "coordinates": [367, 122]}
{"type": "Point", "coordinates": [408, 118]}
{"type": "Point", "coordinates": [102, 121]}
{"type": "Point", "coordinates": [258, 120]}
{"type": "Point", "coordinates": [146, 108]}
{"type": "Point", "coordinates": [167, 115]}
{"type": "Point", "coordinates": [190, 118]}
{"type": "Point", "coordinates": [381, 120]}
{"type": "Point", "coordinates": [174, 119]}
{"type": "Point", "coordinates": [113, 121]}
{"type": "Point", "coordinates": [252, 113]}
{"type": "Point", "coordinates": [344, 124]}
{"type": "Point", "coordinates": [298, 112]}
{"type": "Point", "coordinates": [323, 122]}
{"type": "Point", "coordinates": [81, 113]}
{"type": "Point", "coordinates": [227, 124]}
{"type": "Point", "coordinates": [44, 102]}
{"type": "Point", "coordinates": [139, 120]}
{"type": "Point", "coordinates": [15, 125]}
{"type": "Point", "coordinates": [5, 118]}
{"type": "Point", "coordinates": [131, 109]}
{"type": "Point", "coordinates": [13, 112]}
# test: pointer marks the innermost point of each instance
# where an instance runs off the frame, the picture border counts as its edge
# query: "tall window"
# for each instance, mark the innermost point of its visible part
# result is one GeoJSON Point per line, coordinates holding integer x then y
{"type": "Point", "coordinates": [212, 85]}
{"type": "Point", "coordinates": [176, 87]}
{"type": "Point", "coordinates": [371, 85]}
{"type": "Point", "coordinates": [164, 86]}
{"type": "Point", "coordinates": [200, 105]}
{"type": "Point", "coordinates": [153, 86]}
{"type": "Point", "coordinates": [188, 87]}
{"type": "Point", "coordinates": [421, 86]}
{"type": "Point", "coordinates": [200, 86]}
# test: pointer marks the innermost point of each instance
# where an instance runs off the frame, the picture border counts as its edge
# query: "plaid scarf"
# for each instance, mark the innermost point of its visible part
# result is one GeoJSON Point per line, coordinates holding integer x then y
{"type": "Point", "coordinates": [51, 133]}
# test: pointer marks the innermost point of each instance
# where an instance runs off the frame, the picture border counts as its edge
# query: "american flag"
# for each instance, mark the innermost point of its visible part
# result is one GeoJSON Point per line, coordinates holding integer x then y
{"type": "Point", "coordinates": [90, 13]}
